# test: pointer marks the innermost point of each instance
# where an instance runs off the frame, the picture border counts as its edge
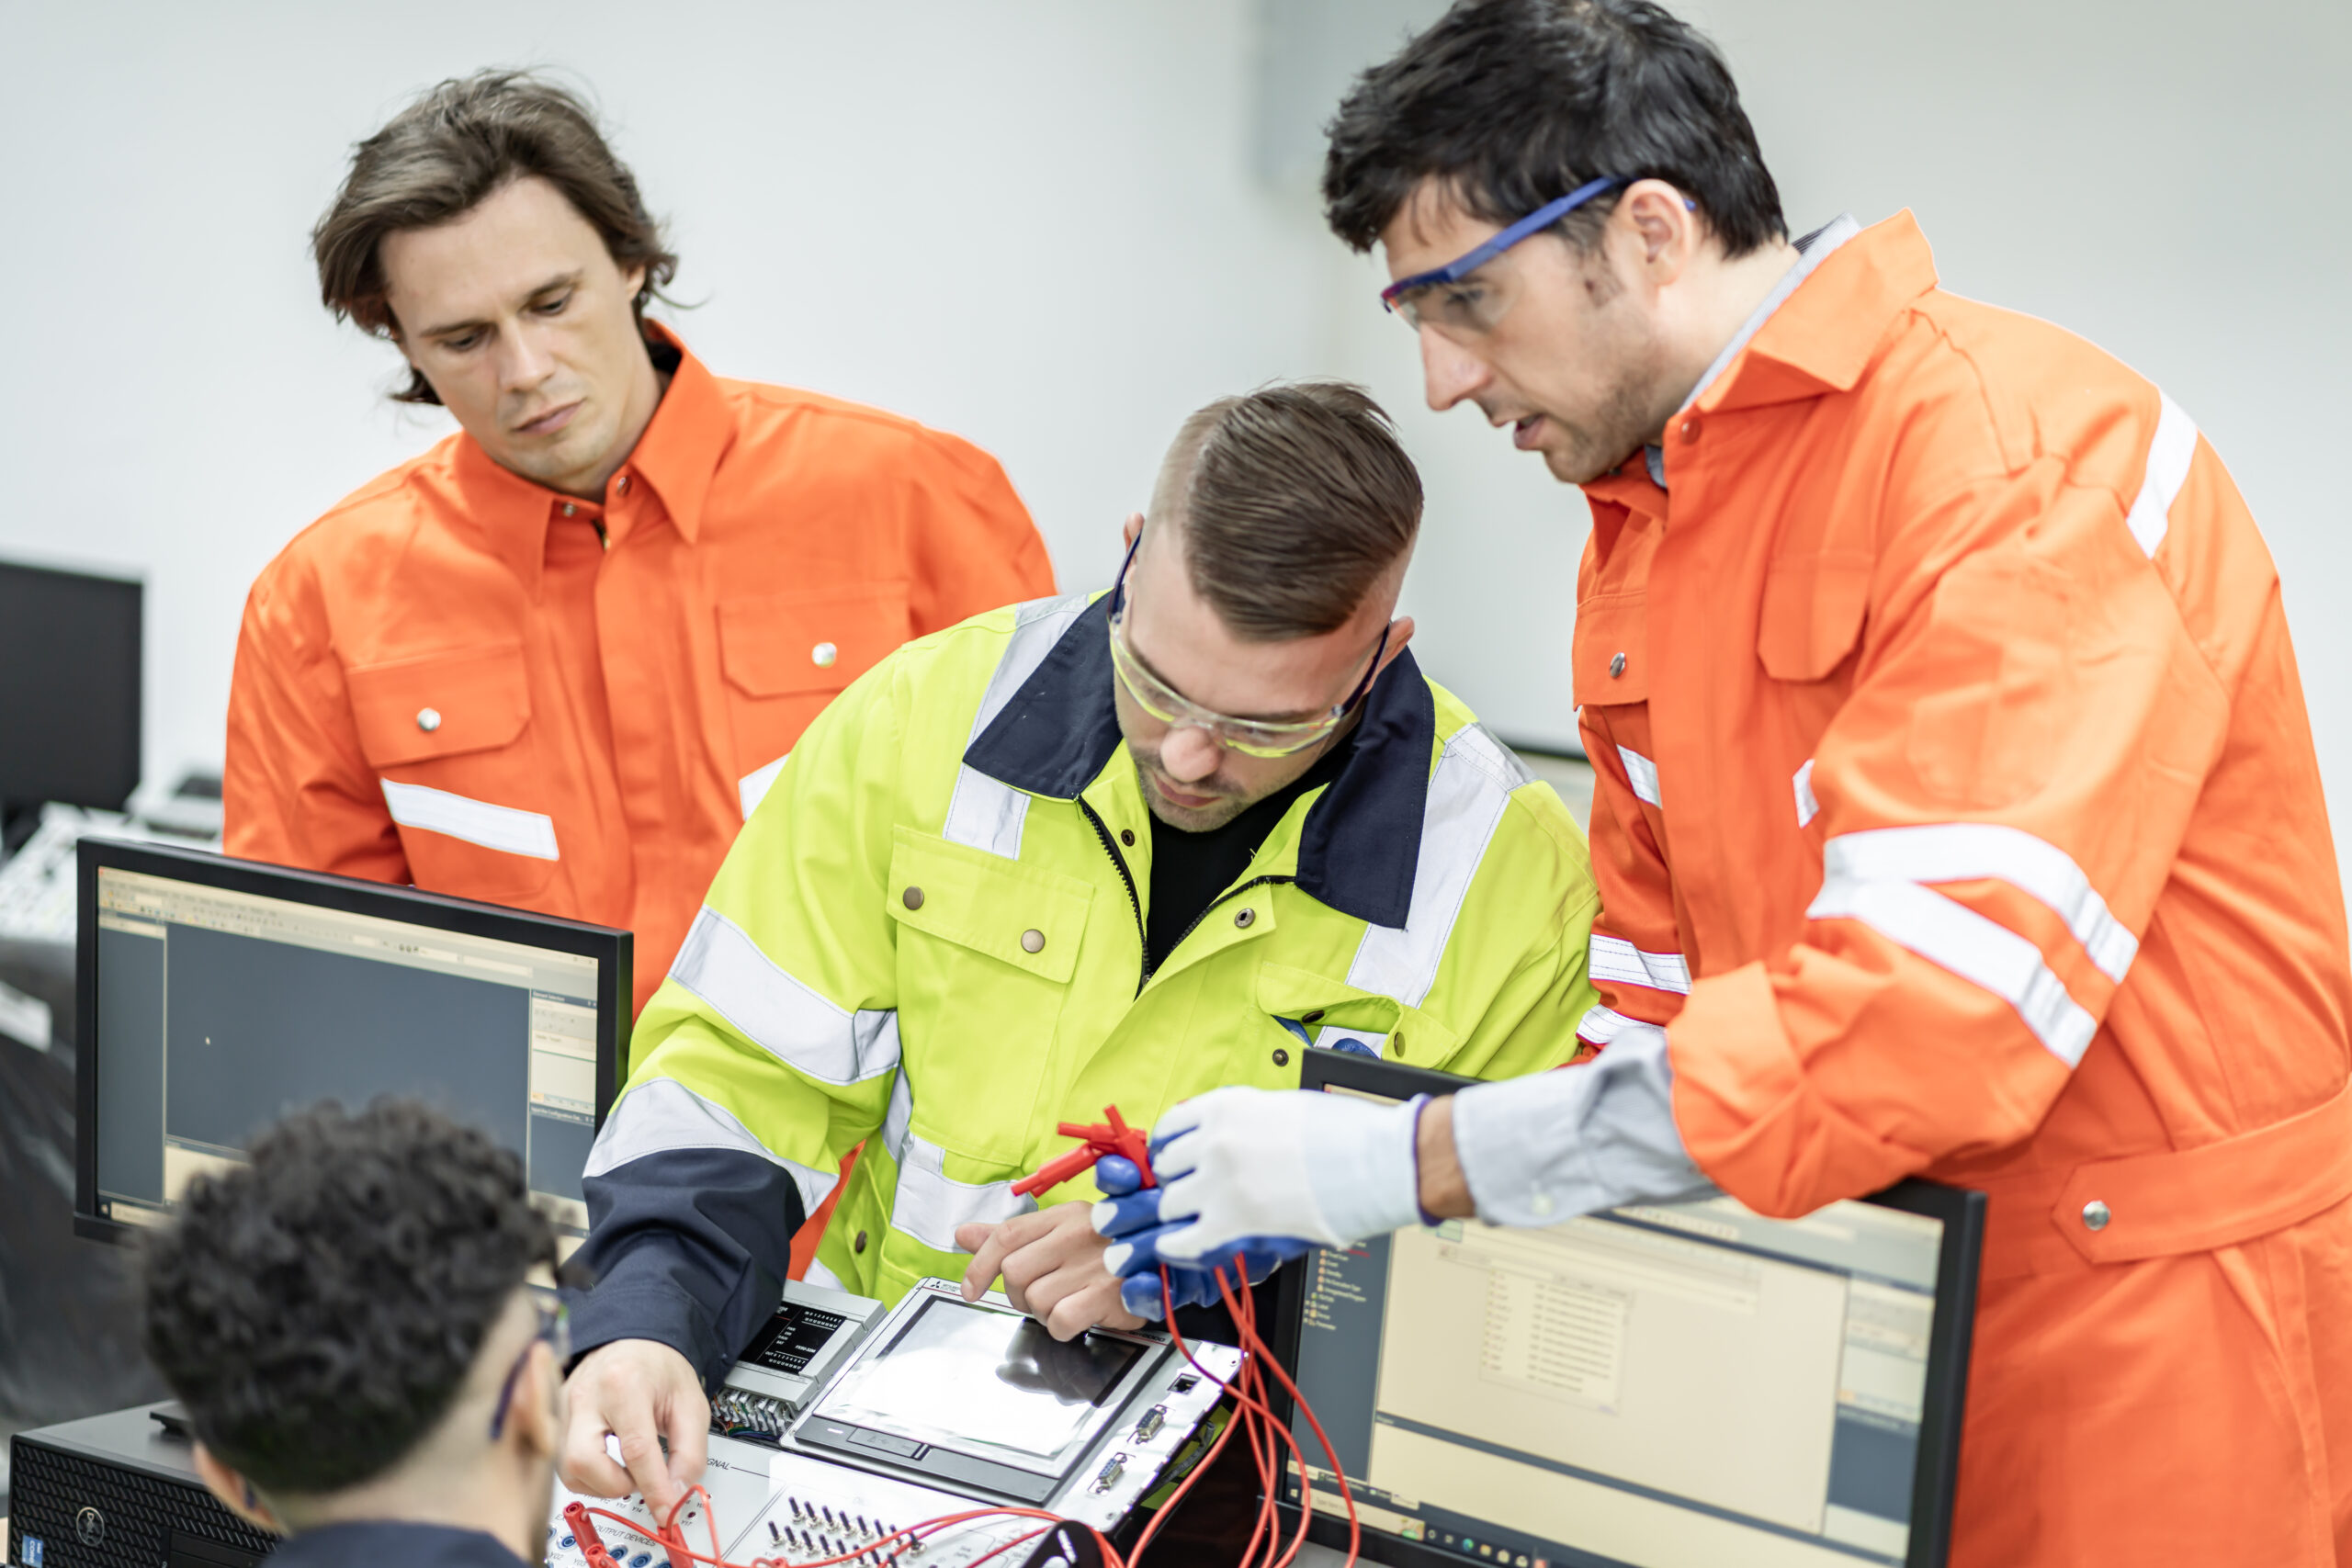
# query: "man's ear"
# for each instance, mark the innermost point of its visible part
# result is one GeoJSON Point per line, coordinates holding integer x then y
{"type": "Point", "coordinates": [535, 1419]}
{"type": "Point", "coordinates": [1665, 229]}
{"type": "Point", "coordinates": [236, 1493]}
{"type": "Point", "coordinates": [1127, 532]}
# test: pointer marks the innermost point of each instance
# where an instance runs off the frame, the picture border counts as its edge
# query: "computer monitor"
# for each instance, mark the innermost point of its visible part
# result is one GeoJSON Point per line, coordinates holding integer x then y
{"type": "Point", "coordinates": [215, 994]}
{"type": "Point", "coordinates": [1658, 1387]}
{"type": "Point", "coordinates": [69, 689]}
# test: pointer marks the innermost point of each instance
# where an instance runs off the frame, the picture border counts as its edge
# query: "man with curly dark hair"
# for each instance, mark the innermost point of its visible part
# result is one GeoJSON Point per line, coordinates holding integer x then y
{"type": "Point", "coordinates": [362, 1325]}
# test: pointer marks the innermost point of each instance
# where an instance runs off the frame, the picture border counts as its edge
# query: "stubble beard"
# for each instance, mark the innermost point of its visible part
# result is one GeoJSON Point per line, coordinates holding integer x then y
{"type": "Point", "coordinates": [1207, 819]}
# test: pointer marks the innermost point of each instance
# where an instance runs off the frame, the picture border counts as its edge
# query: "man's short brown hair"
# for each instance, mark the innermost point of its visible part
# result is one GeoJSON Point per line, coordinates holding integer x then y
{"type": "Point", "coordinates": [435, 160]}
{"type": "Point", "coordinates": [1292, 503]}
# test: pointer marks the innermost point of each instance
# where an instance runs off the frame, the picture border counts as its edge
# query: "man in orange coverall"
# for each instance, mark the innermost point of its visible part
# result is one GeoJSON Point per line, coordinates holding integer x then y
{"type": "Point", "coordinates": [557, 659]}
{"type": "Point", "coordinates": [1957, 812]}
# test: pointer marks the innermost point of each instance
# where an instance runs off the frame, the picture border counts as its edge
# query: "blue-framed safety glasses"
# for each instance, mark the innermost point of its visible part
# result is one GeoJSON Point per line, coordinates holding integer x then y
{"type": "Point", "coordinates": [1452, 300]}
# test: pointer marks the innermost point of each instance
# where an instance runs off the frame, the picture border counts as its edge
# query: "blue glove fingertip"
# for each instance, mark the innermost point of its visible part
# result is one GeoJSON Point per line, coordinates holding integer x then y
{"type": "Point", "coordinates": [1139, 1293]}
{"type": "Point", "coordinates": [1117, 1176]}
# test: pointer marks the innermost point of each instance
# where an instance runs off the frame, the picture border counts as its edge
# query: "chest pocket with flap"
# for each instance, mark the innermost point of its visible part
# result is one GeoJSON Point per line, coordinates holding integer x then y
{"type": "Point", "coordinates": [784, 655]}
{"type": "Point", "coordinates": [987, 947]}
{"type": "Point", "coordinates": [1811, 614]}
{"type": "Point", "coordinates": [441, 704]}
{"type": "Point", "coordinates": [1611, 649]}
{"type": "Point", "coordinates": [459, 723]}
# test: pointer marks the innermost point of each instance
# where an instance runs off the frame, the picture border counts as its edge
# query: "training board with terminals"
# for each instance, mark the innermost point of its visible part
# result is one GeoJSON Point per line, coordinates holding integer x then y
{"type": "Point", "coordinates": [845, 1423]}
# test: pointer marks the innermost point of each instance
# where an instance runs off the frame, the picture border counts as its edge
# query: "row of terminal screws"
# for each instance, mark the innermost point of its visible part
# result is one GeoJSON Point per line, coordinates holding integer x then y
{"type": "Point", "coordinates": [735, 1412]}
{"type": "Point", "coordinates": [819, 1525]}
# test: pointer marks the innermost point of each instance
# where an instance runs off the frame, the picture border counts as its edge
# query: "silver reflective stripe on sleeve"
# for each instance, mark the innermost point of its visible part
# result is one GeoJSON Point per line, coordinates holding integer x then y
{"type": "Point", "coordinates": [1468, 793]}
{"type": "Point", "coordinates": [506, 828]}
{"type": "Point", "coordinates": [1642, 774]}
{"type": "Point", "coordinates": [1978, 950]}
{"type": "Point", "coordinates": [1971, 852]}
{"type": "Point", "coordinates": [1620, 963]}
{"type": "Point", "coordinates": [1603, 1026]}
{"type": "Point", "coordinates": [2170, 451]}
{"type": "Point", "coordinates": [720, 963]}
{"type": "Point", "coordinates": [929, 1203]}
{"type": "Point", "coordinates": [986, 813]}
{"type": "Point", "coordinates": [663, 1116]}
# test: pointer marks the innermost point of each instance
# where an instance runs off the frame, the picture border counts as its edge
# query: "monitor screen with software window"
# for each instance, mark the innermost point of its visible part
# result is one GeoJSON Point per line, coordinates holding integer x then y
{"type": "Point", "coordinates": [217, 994]}
{"type": "Point", "coordinates": [1654, 1387]}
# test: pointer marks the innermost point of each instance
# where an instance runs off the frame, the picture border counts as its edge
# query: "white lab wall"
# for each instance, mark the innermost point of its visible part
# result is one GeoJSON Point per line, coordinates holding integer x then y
{"type": "Point", "coordinates": [1054, 227]}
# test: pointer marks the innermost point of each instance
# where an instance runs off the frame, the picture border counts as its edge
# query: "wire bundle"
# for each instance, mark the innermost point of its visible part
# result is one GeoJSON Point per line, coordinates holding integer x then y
{"type": "Point", "coordinates": [1253, 1414]}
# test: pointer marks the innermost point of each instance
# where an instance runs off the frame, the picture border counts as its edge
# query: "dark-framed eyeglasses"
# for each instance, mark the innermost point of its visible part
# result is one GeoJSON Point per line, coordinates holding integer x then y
{"type": "Point", "coordinates": [555, 1332]}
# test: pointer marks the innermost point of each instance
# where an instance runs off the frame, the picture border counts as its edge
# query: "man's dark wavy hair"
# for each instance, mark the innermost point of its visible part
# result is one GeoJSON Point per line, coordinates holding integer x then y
{"type": "Point", "coordinates": [437, 159]}
{"type": "Point", "coordinates": [1511, 104]}
{"type": "Point", "coordinates": [318, 1309]}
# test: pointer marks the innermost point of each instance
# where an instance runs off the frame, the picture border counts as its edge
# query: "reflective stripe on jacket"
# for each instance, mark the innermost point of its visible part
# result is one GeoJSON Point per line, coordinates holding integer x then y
{"type": "Point", "coordinates": [1958, 814]}
{"type": "Point", "coordinates": [462, 679]}
{"type": "Point", "coordinates": [930, 937]}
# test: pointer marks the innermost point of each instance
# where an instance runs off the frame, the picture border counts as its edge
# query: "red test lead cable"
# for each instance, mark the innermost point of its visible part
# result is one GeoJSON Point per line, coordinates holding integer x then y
{"type": "Point", "coordinates": [1253, 1409]}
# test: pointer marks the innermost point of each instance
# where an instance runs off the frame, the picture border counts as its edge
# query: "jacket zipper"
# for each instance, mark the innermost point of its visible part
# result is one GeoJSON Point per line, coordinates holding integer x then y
{"type": "Point", "coordinates": [1135, 902]}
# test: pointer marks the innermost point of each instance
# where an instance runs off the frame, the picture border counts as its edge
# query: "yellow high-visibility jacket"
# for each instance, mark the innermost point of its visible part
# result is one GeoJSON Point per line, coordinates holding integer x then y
{"type": "Point", "coordinates": [930, 939]}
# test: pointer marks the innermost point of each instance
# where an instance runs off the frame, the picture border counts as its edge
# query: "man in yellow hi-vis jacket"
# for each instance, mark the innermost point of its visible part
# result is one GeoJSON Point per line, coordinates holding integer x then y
{"type": "Point", "coordinates": [1065, 855]}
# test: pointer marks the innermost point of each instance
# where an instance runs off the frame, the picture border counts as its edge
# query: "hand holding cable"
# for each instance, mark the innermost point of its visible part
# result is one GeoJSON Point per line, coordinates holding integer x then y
{"type": "Point", "coordinates": [1268, 1172]}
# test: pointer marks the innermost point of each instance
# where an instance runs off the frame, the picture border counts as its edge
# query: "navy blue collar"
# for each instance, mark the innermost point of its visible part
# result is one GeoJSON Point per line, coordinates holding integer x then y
{"type": "Point", "coordinates": [1363, 835]}
{"type": "Point", "coordinates": [372, 1543]}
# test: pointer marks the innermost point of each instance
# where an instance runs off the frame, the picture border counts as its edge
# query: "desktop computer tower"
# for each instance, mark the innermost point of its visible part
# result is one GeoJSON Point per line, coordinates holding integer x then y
{"type": "Point", "coordinates": [118, 1491]}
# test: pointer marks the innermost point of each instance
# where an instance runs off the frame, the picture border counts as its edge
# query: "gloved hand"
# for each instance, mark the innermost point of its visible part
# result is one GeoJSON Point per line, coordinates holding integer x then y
{"type": "Point", "coordinates": [1265, 1170]}
{"type": "Point", "coordinates": [1129, 1215]}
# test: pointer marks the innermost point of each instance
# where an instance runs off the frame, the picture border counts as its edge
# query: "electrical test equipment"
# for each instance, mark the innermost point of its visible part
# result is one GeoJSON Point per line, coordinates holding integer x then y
{"type": "Point", "coordinates": [936, 1408]}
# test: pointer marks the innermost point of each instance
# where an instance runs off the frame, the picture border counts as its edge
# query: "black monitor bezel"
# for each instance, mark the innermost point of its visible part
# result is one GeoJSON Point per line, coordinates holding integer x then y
{"type": "Point", "coordinates": [611, 948]}
{"type": "Point", "coordinates": [125, 742]}
{"type": "Point", "coordinates": [1936, 1470]}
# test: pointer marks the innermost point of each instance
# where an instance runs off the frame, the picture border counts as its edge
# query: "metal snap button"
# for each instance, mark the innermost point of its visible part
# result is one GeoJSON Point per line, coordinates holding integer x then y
{"type": "Point", "coordinates": [824, 655]}
{"type": "Point", "coordinates": [1689, 430]}
{"type": "Point", "coordinates": [1315, 1017]}
{"type": "Point", "coordinates": [1243, 918]}
{"type": "Point", "coordinates": [623, 481]}
{"type": "Point", "coordinates": [1033, 940]}
{"type": "Point", "coordinates": [1616, 666]}
{"type": "Point", "coordinates": [2096, 1215]}
{"type": "Point", "coordinates": [1282, 1058]}
{"type": "Point", "coordinates": [428, 719]}
{"type": "Point", "coordinates": [570, 509]}
{"type": "Point", "coordinates": [1127, 836]}
{"type": "Point", "coordinates": [911, 897]}
{"type": "Point", "coordinates": [859, 1245]}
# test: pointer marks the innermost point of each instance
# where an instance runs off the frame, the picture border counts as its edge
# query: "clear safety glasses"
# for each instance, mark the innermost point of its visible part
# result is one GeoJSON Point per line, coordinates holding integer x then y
{"type": "Point", "coordinates": [1252, 737]}
{"type": "Point", "coordinates": [1466, 297]}
{"type": "Point", "coordinates": [555, 1329]}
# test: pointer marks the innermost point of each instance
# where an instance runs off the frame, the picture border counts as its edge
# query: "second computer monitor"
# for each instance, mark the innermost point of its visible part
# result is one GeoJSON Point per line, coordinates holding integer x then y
{"type": "Point", "coordinates": [70, 685]}
{"type": "Point", "coordinates": [1672, 1386]}
{"type": "Point", "coordinates": [216, 995]}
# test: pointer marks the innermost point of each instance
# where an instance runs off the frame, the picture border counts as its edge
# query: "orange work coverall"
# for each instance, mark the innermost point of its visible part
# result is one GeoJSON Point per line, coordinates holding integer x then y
{"type": "Point", "coordinates": [460, 679]}
{"type": "Point", "coordinates": [1958, 815]}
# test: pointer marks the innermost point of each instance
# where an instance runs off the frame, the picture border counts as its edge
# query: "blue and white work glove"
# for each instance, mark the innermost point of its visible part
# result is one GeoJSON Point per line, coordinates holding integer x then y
{"type": "Point", "coordinates": [1266, 1173]}
{"type": "Point", "coordinates": [1129, 1215]}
